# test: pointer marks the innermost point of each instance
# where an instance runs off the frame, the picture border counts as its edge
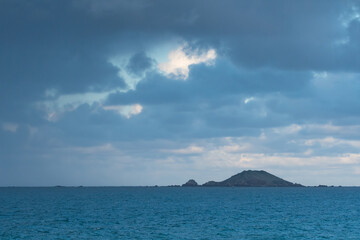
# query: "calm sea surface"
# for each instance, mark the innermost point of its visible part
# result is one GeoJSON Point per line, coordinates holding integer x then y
{"type": "Point", "coordinates": [179, 213]}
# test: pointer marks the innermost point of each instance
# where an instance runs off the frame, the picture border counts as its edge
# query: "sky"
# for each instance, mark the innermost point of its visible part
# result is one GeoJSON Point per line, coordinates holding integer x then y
{"type": "Point", "coordinates": [130, 93]}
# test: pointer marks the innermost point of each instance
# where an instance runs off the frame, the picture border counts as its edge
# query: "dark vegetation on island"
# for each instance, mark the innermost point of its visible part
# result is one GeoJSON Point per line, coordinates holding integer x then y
{"type": "Point", "coordinates": [248, 178]}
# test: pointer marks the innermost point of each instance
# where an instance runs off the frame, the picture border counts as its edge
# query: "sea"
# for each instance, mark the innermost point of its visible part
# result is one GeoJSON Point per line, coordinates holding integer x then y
{"type": "Point", "coordinates": [179, 213]}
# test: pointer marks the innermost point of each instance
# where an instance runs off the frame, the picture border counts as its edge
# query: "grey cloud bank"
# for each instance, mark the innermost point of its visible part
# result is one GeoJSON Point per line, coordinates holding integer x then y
{"type": "Point", "coordinates": [103, 92]}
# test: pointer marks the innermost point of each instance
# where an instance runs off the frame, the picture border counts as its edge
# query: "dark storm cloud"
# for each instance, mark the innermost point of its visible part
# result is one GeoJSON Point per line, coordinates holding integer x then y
{"type": "Point", "coordinates": [66, 44]}
{"type": "Point", "coordinates": [47, 45]}
{"type": "Point", "coordinates": [283, 34]}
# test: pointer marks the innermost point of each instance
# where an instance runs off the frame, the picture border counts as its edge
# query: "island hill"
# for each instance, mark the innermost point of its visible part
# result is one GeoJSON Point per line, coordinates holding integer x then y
{"type": "Point", "coordinates": [247, 179]}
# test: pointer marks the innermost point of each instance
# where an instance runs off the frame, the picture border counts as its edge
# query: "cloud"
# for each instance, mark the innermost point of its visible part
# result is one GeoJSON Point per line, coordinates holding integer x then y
{"type": "Point", "coordinates": [126, 110]}
{"type": "Point", "coordinates": [94, 86]}
{"type": "Point", "coordinates": [10, 127]}
{"type": "Point", "coordinates": [56, 106]}
{"type": "Point", "coordinates": [188, 150]}
{"type": "Point", "coordinates": [330, 142]}
{"type": "Point", "coordinates": [247, 100]}
{"type": "Point", "coordinates": [138, 63]}
{"type": "Point", "coordinates": [132, 68]}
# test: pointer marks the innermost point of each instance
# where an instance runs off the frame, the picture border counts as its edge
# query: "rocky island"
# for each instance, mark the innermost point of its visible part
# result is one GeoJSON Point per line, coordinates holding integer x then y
{"type": "Point", "coordinates": [250, 178]}
{"type": "Point", "coordinates": [190, 183]}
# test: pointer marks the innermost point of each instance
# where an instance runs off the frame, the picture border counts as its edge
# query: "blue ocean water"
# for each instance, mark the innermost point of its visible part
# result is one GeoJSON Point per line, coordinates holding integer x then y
{"type": "Point", "coordinates": [179, 213]}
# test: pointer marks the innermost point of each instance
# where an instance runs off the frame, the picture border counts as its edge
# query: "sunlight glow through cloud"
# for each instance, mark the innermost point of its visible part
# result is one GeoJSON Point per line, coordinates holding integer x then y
{"type": "Point", "coordinates": [179, 61]}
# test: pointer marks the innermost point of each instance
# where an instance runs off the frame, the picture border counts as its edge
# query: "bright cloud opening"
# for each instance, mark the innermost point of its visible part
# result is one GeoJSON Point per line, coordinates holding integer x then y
{"type": "Point", "coordinates": [179, 61]}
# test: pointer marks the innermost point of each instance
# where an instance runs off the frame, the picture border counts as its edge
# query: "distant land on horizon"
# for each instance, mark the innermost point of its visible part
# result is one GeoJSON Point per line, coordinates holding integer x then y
{"type": "Point", "coordinates": [249, 178]}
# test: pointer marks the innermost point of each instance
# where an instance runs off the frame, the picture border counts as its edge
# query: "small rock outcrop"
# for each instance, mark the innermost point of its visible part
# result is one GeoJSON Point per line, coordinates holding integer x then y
{"type": "Point", "coordinates": [190, 183]}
